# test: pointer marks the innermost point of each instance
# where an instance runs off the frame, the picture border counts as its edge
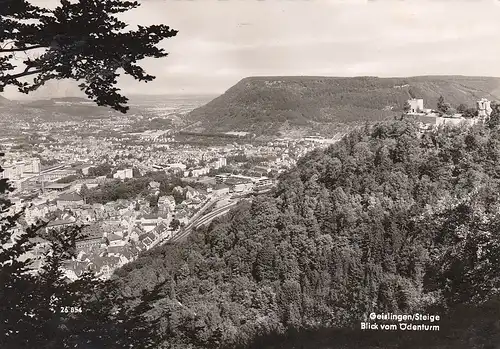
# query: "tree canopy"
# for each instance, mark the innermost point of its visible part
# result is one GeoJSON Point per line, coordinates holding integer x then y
{"type": "Point", "coordinates": [84, 41]}
{"type": "Point", "coordinates": [389, 219]}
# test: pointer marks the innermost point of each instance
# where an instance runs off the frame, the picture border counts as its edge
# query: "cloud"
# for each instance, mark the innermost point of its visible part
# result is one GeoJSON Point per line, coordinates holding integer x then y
{"type": "Point", "coordinates": [220, 42]}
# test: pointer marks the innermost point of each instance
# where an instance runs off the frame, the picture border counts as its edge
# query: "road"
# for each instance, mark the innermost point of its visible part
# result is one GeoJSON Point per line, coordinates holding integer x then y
{"type": "Point", "coordinates": [214, 214]}
{"type": "Point", "coordinates": [206, 219]}
{"type": "Point", "coordinates": [205, 207]}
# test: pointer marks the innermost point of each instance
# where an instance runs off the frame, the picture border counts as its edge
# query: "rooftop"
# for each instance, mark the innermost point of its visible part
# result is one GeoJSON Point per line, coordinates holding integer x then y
{"type": "Point", "coordinates": [149, 235]}
{"type": "Point", "coordinates": [57, 185]}
{"type": "Point", "coordinates": [70, 197]}
{"type": "Point", "coordinates": [114, 237]}
{"type": "Point", "coordinates": [58, 222]}
{"type": "Point", "coordinates": [149, 216]}
{"type": "Point", "coordinates": [93, 230]}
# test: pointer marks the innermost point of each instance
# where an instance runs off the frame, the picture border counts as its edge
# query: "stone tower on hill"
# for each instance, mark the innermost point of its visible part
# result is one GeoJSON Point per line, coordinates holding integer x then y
{"type": "Point", "coordinates": [484, 108]}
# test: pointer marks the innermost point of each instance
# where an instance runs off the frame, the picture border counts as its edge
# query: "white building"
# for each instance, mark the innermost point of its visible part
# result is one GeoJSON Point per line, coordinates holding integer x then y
{"type": "Point", "coordinates": [428, 119]}
{"type": "Point", "coordinates": [19, 169]}
{"type": "Point", "coordinates": [416, 105]}
{"type": "Point", "coordinates": [197, 172]}
{"type": "Point", "coordinates": [484, 108]}
{"type": "Point", "coordinates": [220, 162]}
{"type": "Point", "coordinates": [123, 174]}
{"type": "Point", "coordinates": [176, 166]}
{"type": "Point", "coordinates": [36, 166]}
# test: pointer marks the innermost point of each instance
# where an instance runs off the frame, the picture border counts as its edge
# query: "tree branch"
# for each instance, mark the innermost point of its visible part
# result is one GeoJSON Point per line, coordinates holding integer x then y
{"type": "Point", "coordinates": [23, 74]}
{"type": "Point", "coordinates": [5, 44]}
{"type": "Point", "coordinates": [20, 49]}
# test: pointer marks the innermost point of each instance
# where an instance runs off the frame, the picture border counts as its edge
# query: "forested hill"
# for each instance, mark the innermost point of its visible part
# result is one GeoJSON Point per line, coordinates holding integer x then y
{"type": "Point", "coordinates": [4, 100]}
{"type": "Point", "coordinates": [269, 105]}
{"type": "Point", "coordinates": [385, 220]}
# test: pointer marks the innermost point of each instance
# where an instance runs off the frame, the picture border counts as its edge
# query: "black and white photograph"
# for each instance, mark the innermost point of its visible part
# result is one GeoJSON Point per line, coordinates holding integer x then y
{"type": "Point", "coordinates": [249, 174]}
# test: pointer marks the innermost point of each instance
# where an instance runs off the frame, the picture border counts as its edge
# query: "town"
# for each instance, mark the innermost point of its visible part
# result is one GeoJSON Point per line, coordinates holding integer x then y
{"type": "Point", "coordinates": [129, 191]}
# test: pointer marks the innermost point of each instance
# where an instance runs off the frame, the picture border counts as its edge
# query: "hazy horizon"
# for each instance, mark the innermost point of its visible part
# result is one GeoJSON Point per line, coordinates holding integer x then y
{"type": "Point", "coordinates": [221, 42]}
{"type": "Point", "coordinates": [131, 96]}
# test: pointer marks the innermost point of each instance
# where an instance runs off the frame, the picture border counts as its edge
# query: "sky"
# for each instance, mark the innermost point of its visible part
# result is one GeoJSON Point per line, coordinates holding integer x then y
{"type": "Point", "coordinates": [222, 41]}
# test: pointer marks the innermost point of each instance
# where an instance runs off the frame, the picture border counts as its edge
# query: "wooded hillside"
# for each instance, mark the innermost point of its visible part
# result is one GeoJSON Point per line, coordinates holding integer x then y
{"type": "Point", "coordinates": [268, 105]}
{"type": "Point", "coordinates": [386, 220]}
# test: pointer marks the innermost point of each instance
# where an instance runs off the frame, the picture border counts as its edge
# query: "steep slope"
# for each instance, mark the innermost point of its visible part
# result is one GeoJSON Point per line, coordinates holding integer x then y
{"type": "Point", "coordinates": [383, 221]}
{"type": "Point", "coordinates": [4, 101]}
{"type": "Point", "coordinates": [268, 105]}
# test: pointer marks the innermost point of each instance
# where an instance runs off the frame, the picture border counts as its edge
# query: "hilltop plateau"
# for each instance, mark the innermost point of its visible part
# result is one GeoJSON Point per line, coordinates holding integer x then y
{"type": "Point", "coordinates": [273, 105]}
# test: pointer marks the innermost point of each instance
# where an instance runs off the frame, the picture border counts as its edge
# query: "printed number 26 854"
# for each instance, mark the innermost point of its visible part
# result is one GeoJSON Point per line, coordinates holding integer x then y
{"type": "Point", "coordinates": [71, 310]}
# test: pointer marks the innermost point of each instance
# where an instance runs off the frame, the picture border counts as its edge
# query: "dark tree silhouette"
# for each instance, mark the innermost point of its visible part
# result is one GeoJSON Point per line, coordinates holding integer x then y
{"type": "Point", "coordinates": [86, 42]}
{"type": "Point", "coordinates": [442, 106]}
{"type": "Point", "coordinates": [406, 107]}
{"type": "Point", "coordinates": [462, 108]}
{"type": "Point", "coordinates": [494, 119]}
{"type": "Point", "coordinates": [83, 41]}
{"type": "Point", "coordinates": [470, 113]}
{"type": "Point", "coordinates": [175, 224]}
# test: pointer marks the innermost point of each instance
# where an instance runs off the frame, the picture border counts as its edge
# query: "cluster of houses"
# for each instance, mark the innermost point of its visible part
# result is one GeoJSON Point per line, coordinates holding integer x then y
{"type": "Point", "coordinates": [114, 233]}
{"type": "Point", "coordinates": [196, 171]}
{"type": "Point", "coordinates": [241, 184]}
{"type": "Point", "coordinates": [123, 174]}
{"type": "Point", "coordinates": [18, 169]}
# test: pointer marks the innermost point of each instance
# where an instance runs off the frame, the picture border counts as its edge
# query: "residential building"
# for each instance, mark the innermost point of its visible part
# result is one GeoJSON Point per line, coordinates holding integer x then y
{"type": "Point", "coordinates": [264, 184]}
{"type": "Point", "coordinates": [221, 178]}
{"type": "Point", "coordinates": [197, 172]}
{"type": "Point", "coordinates": [57, 186]}
{"type": "Point", "coordinates": [166, 203]}
{"type": "Point", "coordinates": [69, 200]}
{"type": "Point", "coordinates": [176, 166]}
{"type": "Point", "coordinates": [154, 185]}
{"type": "Point", "coordinates": [114, 239]}
{"type": "Point", "coordinates": [59, 224]}
{"type": "Point", "coordinates": [190, 193]}
{"type": "Point", "coordinates": [148, 240]}
{"type": "Point", "coordinates": [124, 174]}
{"type": "Point", "coordinates": [88, 243]}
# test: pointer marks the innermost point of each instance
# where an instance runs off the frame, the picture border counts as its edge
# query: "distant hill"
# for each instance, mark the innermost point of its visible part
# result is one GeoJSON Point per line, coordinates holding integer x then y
{"type": "Point", "coordinates": [77, 109]}
{"type": "Point", "coordinates": [40, 103]}
{"type": "Point", "coordinates": [4, 101]}
{"type": "Point", "coordinates": [60, 101]}
{"type": "Point", "coordinates": [72, 100]}
{"type": "Point", "coordinates": [268, 105]}
{"type": "Point", "coordinates": [66, 109]}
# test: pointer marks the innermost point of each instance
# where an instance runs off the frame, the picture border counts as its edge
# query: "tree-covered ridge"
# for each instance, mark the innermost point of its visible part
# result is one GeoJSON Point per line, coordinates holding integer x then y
{"type": "Point", "coordinates": [274, 104]}
{"type": "Point", "coordinates": [388, 219]}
